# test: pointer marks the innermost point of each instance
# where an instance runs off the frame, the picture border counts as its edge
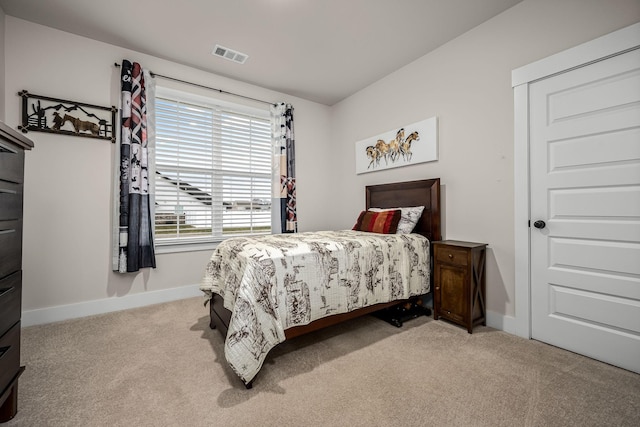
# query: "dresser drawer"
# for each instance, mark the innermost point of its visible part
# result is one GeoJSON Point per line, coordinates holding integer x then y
{"type": "Point", "coordinates": [10, 200]}
{"type": "Point", "coordinates": [10, 247]}
{"type": "Point", "coordinates": [9, 356]}
{"type": "Point", "coordinates": [451, 255]}
{"type": "Point", "coordinates": [11, 165]}
{"type": "Point", "coordinates": [10, 301]}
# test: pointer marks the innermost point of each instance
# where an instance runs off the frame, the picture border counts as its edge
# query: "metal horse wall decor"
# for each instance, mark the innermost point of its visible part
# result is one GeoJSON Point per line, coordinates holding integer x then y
{"type": "Point", "coordinates": [45, 114]}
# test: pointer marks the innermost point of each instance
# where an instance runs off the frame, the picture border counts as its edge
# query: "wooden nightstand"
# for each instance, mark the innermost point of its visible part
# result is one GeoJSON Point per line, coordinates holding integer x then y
{"type": "Point", "coordinates": [459, 282]}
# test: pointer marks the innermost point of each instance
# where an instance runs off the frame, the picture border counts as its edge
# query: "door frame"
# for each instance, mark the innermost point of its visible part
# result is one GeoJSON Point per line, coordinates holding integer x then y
{"type": "Point", "coordinates": [615, 43]}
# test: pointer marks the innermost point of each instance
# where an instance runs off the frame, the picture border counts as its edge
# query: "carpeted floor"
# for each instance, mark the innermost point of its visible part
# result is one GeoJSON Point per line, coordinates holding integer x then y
{"type": "Point", "coordinates": [163, 366]}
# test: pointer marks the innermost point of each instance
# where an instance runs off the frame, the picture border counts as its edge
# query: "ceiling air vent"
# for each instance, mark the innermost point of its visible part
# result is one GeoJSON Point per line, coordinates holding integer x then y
{"type": "Point", "coordinates": [230, 54]}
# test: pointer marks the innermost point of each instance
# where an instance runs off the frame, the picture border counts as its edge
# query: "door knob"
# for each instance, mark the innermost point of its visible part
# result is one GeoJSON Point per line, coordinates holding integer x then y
{"type": "Point", "coordinates": [539, 224]}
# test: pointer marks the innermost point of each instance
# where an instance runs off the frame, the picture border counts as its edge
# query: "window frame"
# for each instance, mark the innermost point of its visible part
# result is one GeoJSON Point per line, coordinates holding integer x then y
{"type": "Point", "coordinates": [200, 244]}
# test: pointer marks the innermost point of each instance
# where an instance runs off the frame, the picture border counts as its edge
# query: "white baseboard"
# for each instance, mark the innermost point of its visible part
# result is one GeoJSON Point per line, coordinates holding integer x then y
{"type": "Point", "coordinates": [89, 308]}
{"type": "Point", "coordinates": [501, 321]}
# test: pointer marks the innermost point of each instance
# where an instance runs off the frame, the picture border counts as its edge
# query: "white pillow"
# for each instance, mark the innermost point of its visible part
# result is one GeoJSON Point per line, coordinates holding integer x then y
{"type": "Point", "coordinates": [408, 217]}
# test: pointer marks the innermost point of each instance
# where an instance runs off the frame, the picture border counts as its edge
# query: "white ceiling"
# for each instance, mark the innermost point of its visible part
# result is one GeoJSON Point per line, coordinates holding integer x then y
{"type": "Point", "coordinates": [320, 50]}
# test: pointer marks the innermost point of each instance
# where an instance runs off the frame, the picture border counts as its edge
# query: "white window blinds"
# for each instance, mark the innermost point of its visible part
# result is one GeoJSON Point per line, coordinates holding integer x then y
{"type": "Point", "coordinates": [213, 172]}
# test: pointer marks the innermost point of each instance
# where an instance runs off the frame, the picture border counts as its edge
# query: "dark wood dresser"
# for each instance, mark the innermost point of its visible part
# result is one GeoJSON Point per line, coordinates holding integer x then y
{"type": "Point", "coordinates": [12, 147]}
{"type": "Point", "coordinates": [459, 282]}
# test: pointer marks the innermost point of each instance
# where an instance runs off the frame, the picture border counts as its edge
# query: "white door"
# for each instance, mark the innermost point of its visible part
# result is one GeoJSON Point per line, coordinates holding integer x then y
{"type": "Point", "coordinates": [585, 186]}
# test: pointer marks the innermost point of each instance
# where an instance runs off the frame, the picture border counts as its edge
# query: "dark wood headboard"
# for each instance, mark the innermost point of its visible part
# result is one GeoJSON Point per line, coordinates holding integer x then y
{"type": "Point", "coordinates": [425, 193]}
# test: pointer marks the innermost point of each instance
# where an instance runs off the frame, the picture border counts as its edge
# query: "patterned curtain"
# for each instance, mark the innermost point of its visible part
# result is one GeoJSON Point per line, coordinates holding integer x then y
{"type": "Point", "coordinates": [135, 237]}
{"type": "Point", "coordinates": [284, 171]}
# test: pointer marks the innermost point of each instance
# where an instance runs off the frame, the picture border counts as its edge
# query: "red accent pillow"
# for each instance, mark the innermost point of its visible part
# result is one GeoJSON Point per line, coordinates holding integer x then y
{"type": "Point", "coordinates": [385, 222]}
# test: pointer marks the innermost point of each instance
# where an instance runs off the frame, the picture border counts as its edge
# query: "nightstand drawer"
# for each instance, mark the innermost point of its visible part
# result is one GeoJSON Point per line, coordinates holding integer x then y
{"type": "Point", "coordinates": [9, 356]}
{"type": "Point", "coordinates": [451, 255]}
{"type": "Point", "coordinates": [10, 301]}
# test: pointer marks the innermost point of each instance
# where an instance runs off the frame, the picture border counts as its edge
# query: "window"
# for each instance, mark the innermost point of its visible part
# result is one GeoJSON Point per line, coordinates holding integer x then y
{"type": "Point", "coordinates": [213, 171]}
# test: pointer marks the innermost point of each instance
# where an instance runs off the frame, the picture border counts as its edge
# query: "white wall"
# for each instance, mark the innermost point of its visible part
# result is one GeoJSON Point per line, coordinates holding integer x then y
{"type": "Point", "coordinates": [68, 180]}
{"type": "Point", "coordinates": [467, 84]}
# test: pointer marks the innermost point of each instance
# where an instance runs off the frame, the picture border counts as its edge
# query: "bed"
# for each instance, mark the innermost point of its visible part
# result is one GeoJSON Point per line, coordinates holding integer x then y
{"type": "Point", "coordinates": [267, 289]}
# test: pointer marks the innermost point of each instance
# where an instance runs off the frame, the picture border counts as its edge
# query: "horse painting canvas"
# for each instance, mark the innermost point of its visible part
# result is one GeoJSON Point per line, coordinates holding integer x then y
{"type": "Point", "coordinates": [406, 145]}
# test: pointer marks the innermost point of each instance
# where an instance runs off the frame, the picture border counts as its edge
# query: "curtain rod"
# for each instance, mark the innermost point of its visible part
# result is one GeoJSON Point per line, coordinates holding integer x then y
{"type": "Point", "coordinates": [154, 75]}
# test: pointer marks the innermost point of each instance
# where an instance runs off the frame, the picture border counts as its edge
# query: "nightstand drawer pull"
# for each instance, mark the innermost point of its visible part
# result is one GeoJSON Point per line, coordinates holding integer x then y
{"type": "Point", "coordinates": [450, 256]}
{"type": "Point", "coordinates": [4, 350]}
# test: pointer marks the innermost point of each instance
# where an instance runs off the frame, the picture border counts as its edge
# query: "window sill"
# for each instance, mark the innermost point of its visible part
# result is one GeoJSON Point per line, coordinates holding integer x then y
{"type": "Point", "coordinates": [194, 245]}
{"type": "Point", "coordinates": [169, 248]}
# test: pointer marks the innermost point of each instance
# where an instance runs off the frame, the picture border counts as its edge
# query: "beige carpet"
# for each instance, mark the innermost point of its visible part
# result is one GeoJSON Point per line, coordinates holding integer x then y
{"type": "Point", "coordinates": [163, 366]}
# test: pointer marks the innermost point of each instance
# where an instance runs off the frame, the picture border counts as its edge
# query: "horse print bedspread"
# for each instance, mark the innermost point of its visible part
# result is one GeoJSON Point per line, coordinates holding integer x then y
{"type": "Point", "coordinates": [272, 283]}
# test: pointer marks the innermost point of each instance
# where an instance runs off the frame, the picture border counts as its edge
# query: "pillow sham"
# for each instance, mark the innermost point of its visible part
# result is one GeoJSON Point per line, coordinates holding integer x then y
{"type": "Point", "coordinates": [409, 217]}
{"type": "Point", "coordinates": [385, 222]}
